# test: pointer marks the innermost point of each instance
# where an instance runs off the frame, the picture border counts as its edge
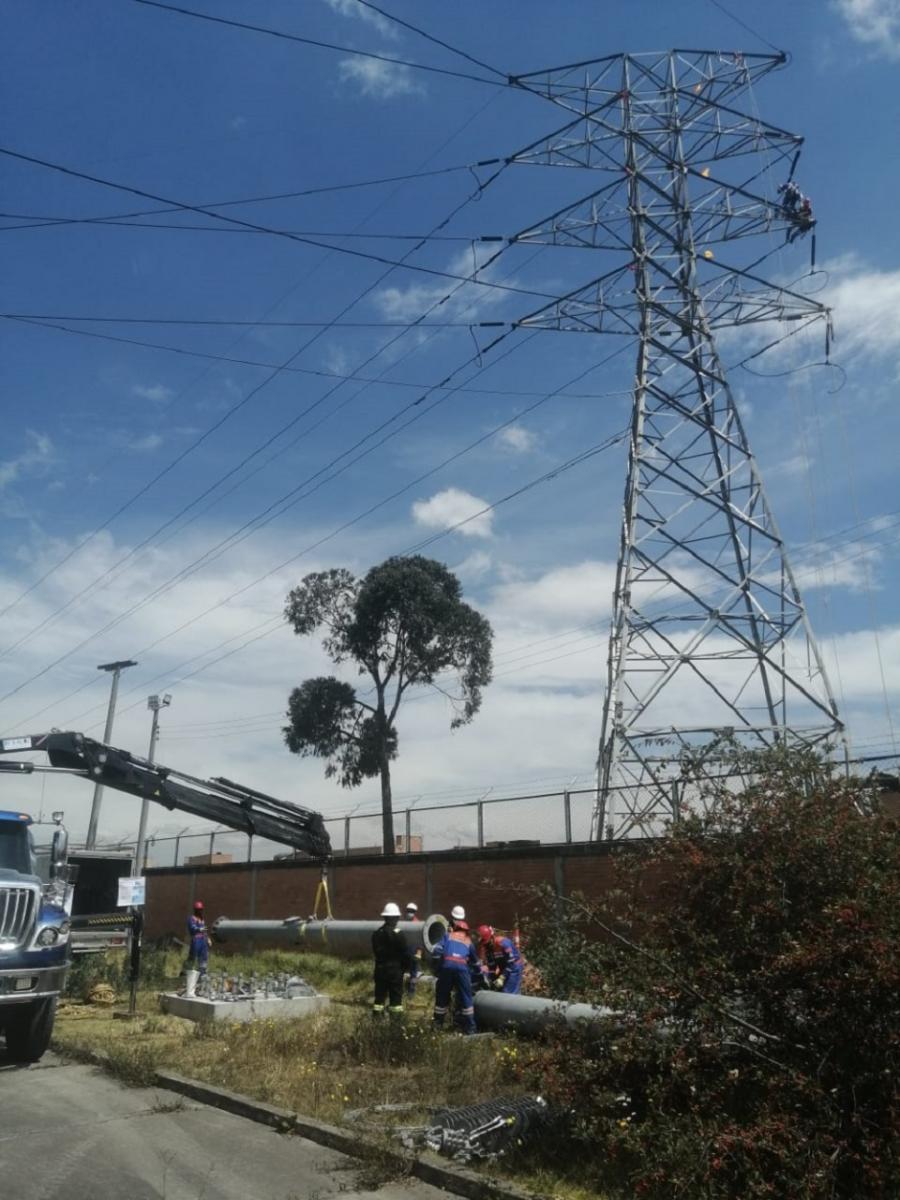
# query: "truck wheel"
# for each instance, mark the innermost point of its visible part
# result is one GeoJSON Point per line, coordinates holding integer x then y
{"type": "Point", "coordinates": [28, 1032]}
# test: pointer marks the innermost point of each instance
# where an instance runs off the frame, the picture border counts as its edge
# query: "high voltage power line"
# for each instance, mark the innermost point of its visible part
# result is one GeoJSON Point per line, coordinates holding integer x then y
{"type": "Point", "coordinates": [520, 654]}
{"type": "Point", "coordinates": [252, 525]}
{"type": "Point", "coordinates": [377, 258]}
{"type": "Point", "coordinates": [40, 221]}
{"type": "Point", "coordinates": [182, 227]}
{"type": "Point", "coordinates": [321, 373]}
{"type": "Point", "coordinates": [266, 628]}
{"type": "Point", "coordinates": [800, 546]}
{"type": "Point", "coordinates": [246, 399]}
{"type": "Point", "coordinates": [502, 81]}
{"type": "Point", "coordinates": [257, 521]}
{"type": "Point", "coordinates": [270, 625]}
{"type": "Point", "coordinates": [429, 37]}
{"type": "Point", "coordinates": [276, 368]}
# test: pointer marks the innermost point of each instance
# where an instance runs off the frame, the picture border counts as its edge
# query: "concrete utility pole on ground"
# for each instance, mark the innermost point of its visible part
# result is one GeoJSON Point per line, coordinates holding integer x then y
{"type": "Point", "coordinates": [154, 703]}
{"type": "Point", "coordinates": [116, 668]}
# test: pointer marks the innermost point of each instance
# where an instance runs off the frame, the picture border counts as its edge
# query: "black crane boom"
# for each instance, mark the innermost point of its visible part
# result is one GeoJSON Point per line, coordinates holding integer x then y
{"type": "Point", "coordinates": [219, 800]}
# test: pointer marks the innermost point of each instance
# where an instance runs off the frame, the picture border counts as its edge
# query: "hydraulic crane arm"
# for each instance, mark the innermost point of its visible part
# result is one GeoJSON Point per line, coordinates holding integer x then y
{"type": "Point", "coordinates": [220, 800]}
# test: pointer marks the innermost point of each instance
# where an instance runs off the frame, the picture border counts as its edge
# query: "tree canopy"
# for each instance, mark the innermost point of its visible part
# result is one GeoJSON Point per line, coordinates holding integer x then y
{"type": "Point", "coordinates": [751, 959]}
{"type": "Point", "coordinates": [404, 624]}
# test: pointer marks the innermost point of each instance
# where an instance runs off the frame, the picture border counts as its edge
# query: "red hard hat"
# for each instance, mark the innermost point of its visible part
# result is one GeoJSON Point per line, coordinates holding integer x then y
{"type": "Point", "coordinates": [485, 932]}
{"type": "Point", "coordinates": [198, 904]}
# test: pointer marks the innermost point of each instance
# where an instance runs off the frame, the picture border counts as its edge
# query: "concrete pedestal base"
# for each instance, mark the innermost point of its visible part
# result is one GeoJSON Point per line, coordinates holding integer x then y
{"type": "Point", "coordinates": [195, 1008]}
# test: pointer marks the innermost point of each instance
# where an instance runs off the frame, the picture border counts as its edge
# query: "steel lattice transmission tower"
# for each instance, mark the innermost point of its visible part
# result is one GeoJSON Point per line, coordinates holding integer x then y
{"type": "Point", "coordinates": [710, 640]}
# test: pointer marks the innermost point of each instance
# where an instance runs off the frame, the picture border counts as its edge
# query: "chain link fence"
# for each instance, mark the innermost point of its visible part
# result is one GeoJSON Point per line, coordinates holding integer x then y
{"type": "Point", "coordinates": [540, 819]}
{"type": "Point", "coordinates": [545, 819]}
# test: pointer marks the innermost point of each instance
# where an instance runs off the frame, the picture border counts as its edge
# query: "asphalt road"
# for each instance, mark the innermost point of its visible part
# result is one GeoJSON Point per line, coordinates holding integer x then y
{"type": "Point", "coordinates": [69, 1131]}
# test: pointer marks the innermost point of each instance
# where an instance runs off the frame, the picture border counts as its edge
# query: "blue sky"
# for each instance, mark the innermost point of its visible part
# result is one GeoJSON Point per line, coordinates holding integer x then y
{"type": "Point", "coordinates": [204, 114]}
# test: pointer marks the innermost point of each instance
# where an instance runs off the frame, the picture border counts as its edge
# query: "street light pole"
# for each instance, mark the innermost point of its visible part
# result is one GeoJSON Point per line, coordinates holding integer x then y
{"type": "Point", "coordinates": [115, 668]}
{"type": "Point", "coordinates": [154, 703]}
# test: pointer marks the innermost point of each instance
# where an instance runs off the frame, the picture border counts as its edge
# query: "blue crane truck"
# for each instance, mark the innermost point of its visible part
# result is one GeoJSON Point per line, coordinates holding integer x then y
{"type": "Point", "coordinates": [34, 932]}
{"type": "Point", "coordinates": [35, 889]}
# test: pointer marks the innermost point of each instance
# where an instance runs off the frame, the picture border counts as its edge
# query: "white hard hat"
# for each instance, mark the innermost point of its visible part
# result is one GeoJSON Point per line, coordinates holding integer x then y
{"type": "Point", "coordinates": [412, 906]}
{"type": "Point", "coordinates": [458, 913]}
{"type": "Point", "coordinates": [390, 910]}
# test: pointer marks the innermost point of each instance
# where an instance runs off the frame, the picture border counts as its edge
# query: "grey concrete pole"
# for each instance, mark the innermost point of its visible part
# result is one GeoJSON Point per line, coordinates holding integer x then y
{"type": "Point", "coordinates": [343, 939]}
{"type": "Point", "coordinates": [116, 668]}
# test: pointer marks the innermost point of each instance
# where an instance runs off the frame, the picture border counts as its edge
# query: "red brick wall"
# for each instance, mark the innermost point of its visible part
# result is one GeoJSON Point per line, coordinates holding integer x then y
{"type": "Point", "coordinates": [485, 882]}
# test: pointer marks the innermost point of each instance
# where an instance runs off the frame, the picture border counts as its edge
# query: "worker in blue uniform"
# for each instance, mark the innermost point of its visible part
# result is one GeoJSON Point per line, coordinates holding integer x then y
{"type": "Point", "coordinates": [504, 960]}
{"type": "Point", "coordinates": [198, 952]}
{"type": "Point", "coordinates": [453, 958]}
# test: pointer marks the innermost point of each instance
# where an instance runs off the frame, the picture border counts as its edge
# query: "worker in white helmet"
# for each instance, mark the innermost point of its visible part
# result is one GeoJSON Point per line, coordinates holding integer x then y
{"type": "Point", "coordinates": [392, 960]}
{"type": "Point", "coordinates": [455, 959]}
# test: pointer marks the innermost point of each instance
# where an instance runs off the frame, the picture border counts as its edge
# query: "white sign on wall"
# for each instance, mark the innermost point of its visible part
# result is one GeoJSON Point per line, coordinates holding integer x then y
{"type": "Point", "coordinates": [132, 891]}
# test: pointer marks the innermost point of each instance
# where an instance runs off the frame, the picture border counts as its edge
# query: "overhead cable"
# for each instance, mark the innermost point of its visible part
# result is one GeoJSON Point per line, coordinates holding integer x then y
{"type": "Point", "coordinates": [217, 322]}
{"type": "Point", "coordinates": [431, 38]}
{"type": "Point", "coordinates": [277, 368]}
{"type": "Point", "coordinates": [257, 521]}
{"type": "Point", "coordinates": [240, 202]}
{"type": "Point", "coordinates": [321, 373]}
{"type": "Point", "coordinates": [378, 258]}
{"type": "Point", "coordinates": [322, 45]}
{"type": "Point", "coordinates": [272, 624]}
{"type": "Point", "coordinates": [183, 227]}
{"type": "Point", "coordinates": [266, 628]}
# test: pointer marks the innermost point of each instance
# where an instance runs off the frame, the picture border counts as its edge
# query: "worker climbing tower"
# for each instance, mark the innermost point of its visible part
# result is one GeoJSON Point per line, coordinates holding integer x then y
{"type": "Point", "coordinates": [710, 642]}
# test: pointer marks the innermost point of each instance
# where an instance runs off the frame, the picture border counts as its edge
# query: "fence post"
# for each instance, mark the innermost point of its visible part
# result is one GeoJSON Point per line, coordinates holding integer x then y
{"type": "Point", "coordinates": [346, 837]}
{"type": "Point", "coordinates": [567, 814]}
{"type": "Point", "coordinates": [676, 801]}
{"type": "Point", "coordinates": [409, 831]}
{"type": "Point", "coordinates": [480, 824]}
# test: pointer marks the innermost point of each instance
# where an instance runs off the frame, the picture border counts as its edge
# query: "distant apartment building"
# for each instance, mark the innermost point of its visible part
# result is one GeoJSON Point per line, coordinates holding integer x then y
{"type": "Point", "coordinates": [209, 860]}
{"type": "Point", "coordinates": [402, 845]}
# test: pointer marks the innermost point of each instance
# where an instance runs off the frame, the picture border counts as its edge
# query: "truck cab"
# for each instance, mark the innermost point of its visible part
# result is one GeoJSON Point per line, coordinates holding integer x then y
{"type": "Point", "coordinates": [34, 931]}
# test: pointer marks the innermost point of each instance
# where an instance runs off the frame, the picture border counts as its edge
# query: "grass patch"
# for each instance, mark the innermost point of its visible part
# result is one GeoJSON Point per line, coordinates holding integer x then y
{"type": "Point", "coordinates": [324, 1065]}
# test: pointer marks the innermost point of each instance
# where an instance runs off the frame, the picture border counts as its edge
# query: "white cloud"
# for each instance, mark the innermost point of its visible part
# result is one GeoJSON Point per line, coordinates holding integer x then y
{"type": "Point", "coordinates": [157, 392]}
{"type": "Point", "coordinates": [850, 566]}
{"type": "Point", "coordinates": [561, 596]}
{"type": "Point", "coordinates": [517, 439]}
{"type": "Point", "coordinates": [875, 23]}
{"type": "Point", "coordinates": [37, 454]}
{"type": "Point", "coordinates": [336, 360]}
{"type": "Point", "coordinates": [796, 464]}
{"type": "Point", "coordinates": [354, 10]}
{"type": "Point", "coordinates": [378, 79]}
{"type": "Point", "coordinates": [452, 506]}
{"type": "Point", "coordinates": [583, 592]}
{"type": "Point", "coordinates": [540, 719]}
{"type": "Point", "coordinates": [866, 305]}
{"type": "Point", "coordinates": [408, 303]}
{"type": "Point", "coordinates": [475, 566]}
{"type": "Point", "coordinates": [146, 444]}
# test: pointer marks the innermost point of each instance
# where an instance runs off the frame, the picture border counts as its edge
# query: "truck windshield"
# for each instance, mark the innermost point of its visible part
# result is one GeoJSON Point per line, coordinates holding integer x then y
{"type": "Point", "coordinates": [15, 850]}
